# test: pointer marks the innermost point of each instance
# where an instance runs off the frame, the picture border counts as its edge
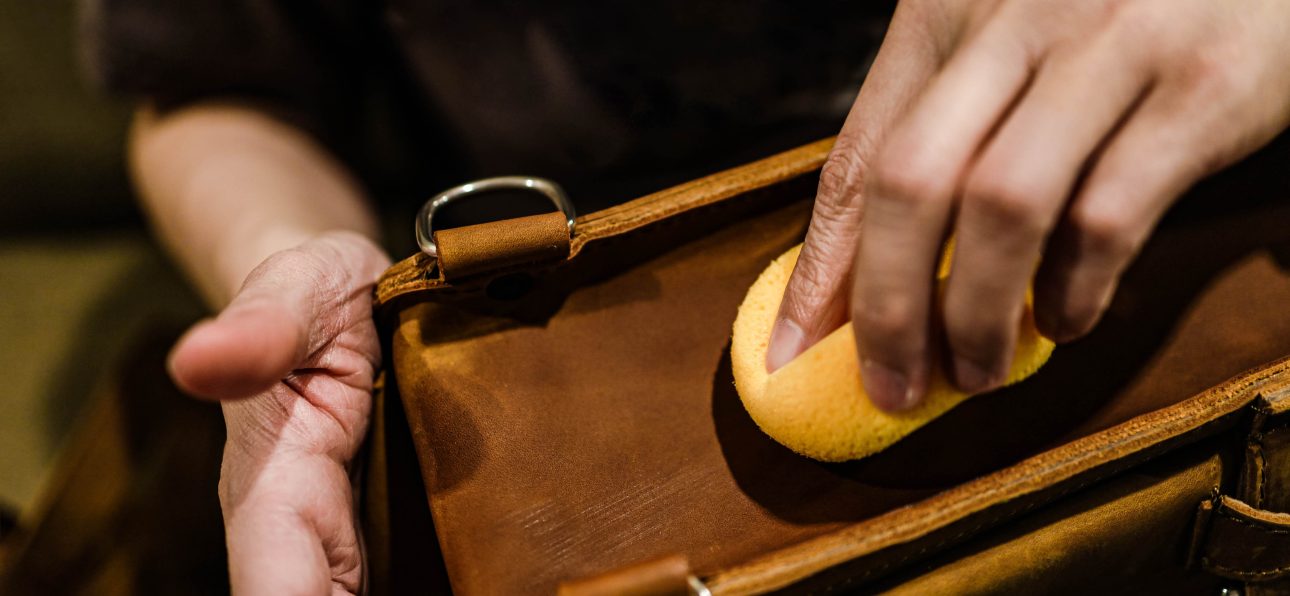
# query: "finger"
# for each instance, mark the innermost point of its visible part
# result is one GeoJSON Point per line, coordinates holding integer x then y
{"type": "Point", "coordinates": [1014, 193]}
{"type": "Point", "coordinates": [273, 324]}
{"type": "Point", "coordinates": [910, 191]}
{"type": "Point", "coordinates": [815, 300]}
{"type": "Point", "coordinates": [1159, 153]}
{"type": "Point", "coordinates": [294, 531]}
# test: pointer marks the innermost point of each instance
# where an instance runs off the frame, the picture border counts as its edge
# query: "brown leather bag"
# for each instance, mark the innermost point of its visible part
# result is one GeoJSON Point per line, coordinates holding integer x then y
{"type": "Point", "coordinates": [570, 405]}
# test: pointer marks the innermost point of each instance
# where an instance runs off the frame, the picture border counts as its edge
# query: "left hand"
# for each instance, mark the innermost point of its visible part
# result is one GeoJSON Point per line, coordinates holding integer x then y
{"type": "Point", "coordinates": [1041, 132]}
{"type": "Point", "coordinates": [293, 356]}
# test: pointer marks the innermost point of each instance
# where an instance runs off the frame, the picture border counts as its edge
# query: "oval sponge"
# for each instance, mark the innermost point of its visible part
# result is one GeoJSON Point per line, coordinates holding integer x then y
{"type": "Point", "coordinates": [816, 404]}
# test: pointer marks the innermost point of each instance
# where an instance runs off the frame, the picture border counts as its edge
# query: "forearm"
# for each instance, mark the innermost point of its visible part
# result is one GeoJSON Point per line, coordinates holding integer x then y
{"type": "Point", "coordinates": [227, 186]}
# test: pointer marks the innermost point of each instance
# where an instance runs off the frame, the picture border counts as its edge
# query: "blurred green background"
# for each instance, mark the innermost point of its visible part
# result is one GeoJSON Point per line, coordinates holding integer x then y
{"type": "Point", "coordinates": [80, 279]}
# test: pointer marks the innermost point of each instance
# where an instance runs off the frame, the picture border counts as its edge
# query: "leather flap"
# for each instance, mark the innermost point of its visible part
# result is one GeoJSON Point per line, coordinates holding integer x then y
{"type": "Point", "coordinates": [1237, 541]}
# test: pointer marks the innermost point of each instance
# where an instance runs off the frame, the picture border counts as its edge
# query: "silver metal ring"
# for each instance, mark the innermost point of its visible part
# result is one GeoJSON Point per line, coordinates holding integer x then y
{"type": "Point", "coordinates": [547, 188]}
{"type": "Point", "coordinates": [697, 588]}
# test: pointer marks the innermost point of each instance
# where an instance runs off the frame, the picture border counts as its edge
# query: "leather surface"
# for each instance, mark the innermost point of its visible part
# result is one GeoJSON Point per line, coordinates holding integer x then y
{"type": "Point", "coordinates": [592, 423]}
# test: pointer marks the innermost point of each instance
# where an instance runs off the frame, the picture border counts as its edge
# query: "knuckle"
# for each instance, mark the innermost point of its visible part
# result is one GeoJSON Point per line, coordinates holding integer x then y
{"type": "Point", "coordinates": [814, 281]}
{"type": "Point", "coordinates": [1008, 202]}
{"type": "Point", "coordinates": [840, 176]}
{"type": "Point", "coordinates": [885, 322]}
{"type": "Point", "coordinates": [1104, 231]}
{"type": "Point", "coordinates": [1215, 71]}
{"type": "Point", "coordinates": [900, 178]}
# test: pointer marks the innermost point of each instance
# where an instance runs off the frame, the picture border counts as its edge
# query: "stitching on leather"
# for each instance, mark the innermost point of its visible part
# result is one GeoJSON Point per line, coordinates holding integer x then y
{"type": "Point", "coordinates": [1255, 525]}
{"type": "Point", "coordinates": [1233, 390]}
{"type": "Point", "coordinates": [1147, 454]}
{"type": "Point", "coordinates": [1243, 573]}
{"type": "Point", "coordinates": [980, 525]}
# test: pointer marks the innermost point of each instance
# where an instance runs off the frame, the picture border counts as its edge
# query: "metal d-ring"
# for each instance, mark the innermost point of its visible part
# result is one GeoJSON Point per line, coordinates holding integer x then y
{"type": "Point", "coordinates": [542, 186]}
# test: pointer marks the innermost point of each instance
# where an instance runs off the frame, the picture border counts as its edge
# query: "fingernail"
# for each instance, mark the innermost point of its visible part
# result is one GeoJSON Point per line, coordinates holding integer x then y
{"type": "Point", "coordinates": [786, 340]}
{"type": "Point", "coordinates": [971, 377]}
{"type": "Point", "coordinates": [887, 388]}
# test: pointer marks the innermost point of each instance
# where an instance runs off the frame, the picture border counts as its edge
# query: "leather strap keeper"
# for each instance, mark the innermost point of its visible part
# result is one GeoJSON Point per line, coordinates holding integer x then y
{"type": "Point", "coordinates": [471, 250]}
{"type": "Point", "coordinates": [668, 576]}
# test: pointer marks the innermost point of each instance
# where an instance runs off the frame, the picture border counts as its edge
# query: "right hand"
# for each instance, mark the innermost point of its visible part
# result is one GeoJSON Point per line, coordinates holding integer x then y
{"type": "Point", "coordinates": [1048, 137]}
{"type": "Point", "coordinates": [293, 358]}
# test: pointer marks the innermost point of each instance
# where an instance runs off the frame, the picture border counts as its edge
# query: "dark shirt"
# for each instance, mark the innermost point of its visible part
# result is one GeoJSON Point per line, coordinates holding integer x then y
{"type": "Point", "coordinates": [610, 98]}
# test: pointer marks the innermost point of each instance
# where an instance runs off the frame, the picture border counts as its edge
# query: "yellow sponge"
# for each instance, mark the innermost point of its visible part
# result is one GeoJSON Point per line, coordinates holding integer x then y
{"type": "Point", "coordinates": [816, 404]}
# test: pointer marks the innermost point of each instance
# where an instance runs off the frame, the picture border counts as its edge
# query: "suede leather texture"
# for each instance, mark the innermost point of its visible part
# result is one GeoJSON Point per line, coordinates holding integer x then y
{"type": "Point", "coordinates": [591, 423]}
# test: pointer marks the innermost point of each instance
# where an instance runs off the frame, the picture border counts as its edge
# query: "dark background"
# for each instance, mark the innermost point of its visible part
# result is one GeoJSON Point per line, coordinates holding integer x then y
{"type": "Point", "coordinates": [107, 474]}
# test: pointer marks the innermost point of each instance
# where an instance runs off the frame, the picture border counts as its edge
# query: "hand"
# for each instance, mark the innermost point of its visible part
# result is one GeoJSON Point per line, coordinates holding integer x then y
{"type": "Point", "coordinates": [1041, 133]}
{"type": "Point", "coordinates": [299, 345]}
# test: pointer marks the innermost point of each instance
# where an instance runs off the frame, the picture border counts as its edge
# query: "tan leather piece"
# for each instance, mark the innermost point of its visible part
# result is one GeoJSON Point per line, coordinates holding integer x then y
{"type": "Point", "coordinates": [1243, 542]}
{"type": "Point", "coordinates": [502, 245]}
{"type": "Point", "coordinates": [668, 576]}
{"type": "Point", "coordinates": [594, 423]}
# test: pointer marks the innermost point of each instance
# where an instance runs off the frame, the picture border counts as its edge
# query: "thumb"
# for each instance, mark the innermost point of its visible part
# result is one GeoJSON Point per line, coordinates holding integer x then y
{"type": "Point", "coordinates": [260, 336]}
{"type": "Point", "coordinates": [815, 301]}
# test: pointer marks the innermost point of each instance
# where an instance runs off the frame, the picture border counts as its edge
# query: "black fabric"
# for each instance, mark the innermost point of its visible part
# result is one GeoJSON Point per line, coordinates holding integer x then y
{"type": "Point", "coordinates": [301, 59]}
{"type": "Point", "coordinates": [612, 99]}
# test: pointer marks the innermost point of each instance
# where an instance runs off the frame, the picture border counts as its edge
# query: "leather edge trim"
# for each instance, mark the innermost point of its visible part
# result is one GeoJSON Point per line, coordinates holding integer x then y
{"type": "Point", "coordinates": [1138, 435]}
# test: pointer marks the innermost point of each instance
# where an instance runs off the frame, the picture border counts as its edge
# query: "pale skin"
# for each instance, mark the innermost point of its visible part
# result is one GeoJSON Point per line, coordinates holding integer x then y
{"type": "Point", "coordinates": [278, 236]}
{"type": "Point", "coordinates": [1047, 135]}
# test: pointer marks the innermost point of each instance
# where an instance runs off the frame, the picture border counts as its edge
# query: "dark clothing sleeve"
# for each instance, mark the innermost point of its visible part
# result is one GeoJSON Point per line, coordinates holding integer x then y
{"type": "Point", "coordinates": [299, 59]}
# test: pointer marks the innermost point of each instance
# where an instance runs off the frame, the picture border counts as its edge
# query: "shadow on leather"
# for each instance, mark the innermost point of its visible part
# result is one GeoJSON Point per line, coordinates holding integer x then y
{"type": "Point", "coordinates": [1068, 398]}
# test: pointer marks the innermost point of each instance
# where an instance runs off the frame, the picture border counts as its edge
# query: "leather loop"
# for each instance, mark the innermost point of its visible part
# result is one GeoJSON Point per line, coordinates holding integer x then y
{"type": "Point", "coordinates": [1237, 541]}
{"type": "Point", "coordinates": [492, 246]}
{"type": "Point", "coordinates": [661, 577]}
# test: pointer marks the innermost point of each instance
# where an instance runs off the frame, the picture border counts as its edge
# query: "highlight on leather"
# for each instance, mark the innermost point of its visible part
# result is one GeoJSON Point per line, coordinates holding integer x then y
{"type": "Point", "coordinates": [816, 404]}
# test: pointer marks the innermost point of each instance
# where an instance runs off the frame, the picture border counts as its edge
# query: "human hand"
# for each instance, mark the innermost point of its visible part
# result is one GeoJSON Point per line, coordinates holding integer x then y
{"type": "Point", "coordinates": [293, 356]}
{"type": "Point", "coordinates": [1038, 132]}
